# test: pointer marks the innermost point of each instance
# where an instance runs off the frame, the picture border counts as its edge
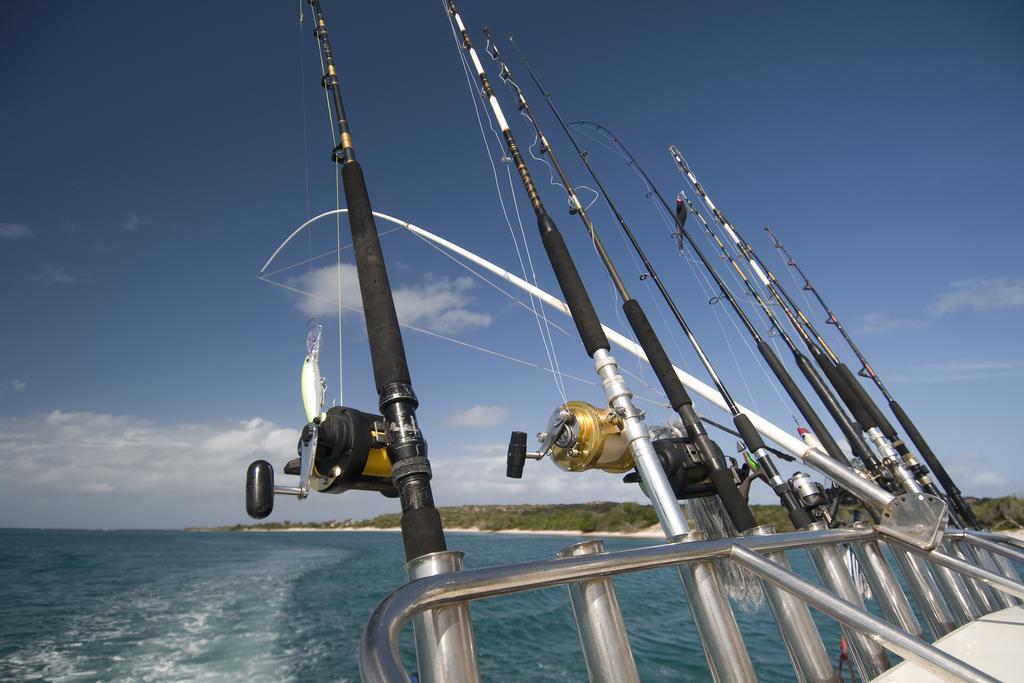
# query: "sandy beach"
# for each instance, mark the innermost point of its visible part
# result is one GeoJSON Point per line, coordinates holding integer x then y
{"type": "Point", "coordinates": [650, 532]}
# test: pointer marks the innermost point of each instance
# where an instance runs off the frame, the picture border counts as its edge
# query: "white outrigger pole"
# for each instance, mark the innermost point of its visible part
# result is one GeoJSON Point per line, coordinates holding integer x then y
{"type": "Point", "coordinates": [905, 513]}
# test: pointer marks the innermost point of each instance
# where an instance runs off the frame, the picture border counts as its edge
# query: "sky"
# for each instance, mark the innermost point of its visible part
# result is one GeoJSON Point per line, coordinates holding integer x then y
{"type": "Point", "coordinates": [154, 156]}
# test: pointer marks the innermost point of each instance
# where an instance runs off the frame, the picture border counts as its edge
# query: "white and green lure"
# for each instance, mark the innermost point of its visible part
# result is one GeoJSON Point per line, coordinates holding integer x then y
{"type": "Point", "coordinates": [314, 387]}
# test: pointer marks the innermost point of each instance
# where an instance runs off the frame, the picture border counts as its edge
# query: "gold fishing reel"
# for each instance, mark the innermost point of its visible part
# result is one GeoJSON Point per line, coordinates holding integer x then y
{"type": "Point", "coordinates": [579, 437]}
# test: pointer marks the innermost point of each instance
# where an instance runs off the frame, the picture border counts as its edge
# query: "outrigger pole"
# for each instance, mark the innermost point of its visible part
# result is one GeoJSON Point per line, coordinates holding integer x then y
{"type": "Point", "coordinates": [952, 491]}
{"type": "Point", "coordinates": [727, 657]}
{"type": "Point", "coordinates": [406, 448]}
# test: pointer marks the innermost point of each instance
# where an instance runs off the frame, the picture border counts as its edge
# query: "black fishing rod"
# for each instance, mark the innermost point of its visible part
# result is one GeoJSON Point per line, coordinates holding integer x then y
{"type": "Point", "coordinates": [627, 417]}
{"type": "Point", "coordinates": [656, 353]}
{"type": "Point", "coordinates": [911, 474]}
{"type": "Point", "coordinates": [342, 448]}
{"type": "Point", "coordinates": [815, 423]}
{"type": "Point", "coordinates": [720, 474]}
{"type": "Point", "coordinates": [952, 491]}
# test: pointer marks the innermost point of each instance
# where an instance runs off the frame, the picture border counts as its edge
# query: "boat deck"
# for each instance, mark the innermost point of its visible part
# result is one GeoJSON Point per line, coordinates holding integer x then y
{"type": "Point", "coordinates": [992, 643]}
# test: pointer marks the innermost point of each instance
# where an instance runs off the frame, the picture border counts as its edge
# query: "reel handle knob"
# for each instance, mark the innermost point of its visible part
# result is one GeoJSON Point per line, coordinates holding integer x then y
{"type": "Point", "coordinates": [259, 489]}
{"type": "Point", "coordinates": [516, 455]}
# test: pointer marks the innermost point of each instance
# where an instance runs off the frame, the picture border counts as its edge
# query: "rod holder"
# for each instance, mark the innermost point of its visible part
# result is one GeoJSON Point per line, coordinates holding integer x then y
{"type": "Point", "coordinates": [886, 588]}
{"type": "Point", "coordinates": [925, 591]}
{"type": "Point", "coordinates": [803, 641]}
{"type": "Point", "coordinates": [600, 625]}
{"type": "Point", "coordinates": [445, 648]}
{"type": "Point", "coordinates": [867, 655]}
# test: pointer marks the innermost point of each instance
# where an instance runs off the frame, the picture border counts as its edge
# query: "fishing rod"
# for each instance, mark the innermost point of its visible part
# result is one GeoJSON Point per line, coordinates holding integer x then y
{"type": "Point", "coordinates": [736, 507]}
{"type": "Point", "coordinates": [952, 491]}
{"type": "Point", "coordinates": [342, 448]}
{"type": "Point", "coordinates": [910, 474]}
{"type": "Point", "coordinates": [567, 439]}
{"type": "Point", "coordinates": [799, 495]}
{"type": "Point", "coordinates": [720, 474]}
{"type": "Point", "coordinates": [815, 423]}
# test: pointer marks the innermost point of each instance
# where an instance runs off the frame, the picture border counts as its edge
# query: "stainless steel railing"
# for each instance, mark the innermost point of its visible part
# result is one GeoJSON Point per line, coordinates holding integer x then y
{"type": "Point", "coordinates": [899, 633]}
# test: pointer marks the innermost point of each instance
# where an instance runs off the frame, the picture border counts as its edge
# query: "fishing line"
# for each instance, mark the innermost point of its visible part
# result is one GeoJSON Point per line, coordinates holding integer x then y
{"type": "Point", "coordinates": [618, 151]}
{"type": "Point", "coordinates": [337, 222]}
{"type": "Point", "coordinates": [305, 133]}
{"type": "Point", "coordinates": [546, 340]}
{"type": "Point", "coordinates": [743, 337]}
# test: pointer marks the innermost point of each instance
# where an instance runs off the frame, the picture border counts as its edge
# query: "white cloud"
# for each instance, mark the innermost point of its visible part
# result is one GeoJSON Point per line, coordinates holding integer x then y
{"type": "Point", "coordinates": [875, 323]}
{"type": "Point", "coordinates": [155, 473]}
{"type": "Point", "coordinates": [979, 294]}
{"type": "Point", "coordinates": [480, 479]}
{"type": "Point", "coordinates": [439, 304]}
{"type": "Point", "coordinates": [133, 222]}
{"type": "Point", "coordinates": [987, 479]}
{"type": "Point", "coordinates": [958, 371]}
{"type": "Point", "coordinates": [55, 276]}
{"type": "Point", "coordinates": [14, 231]}
{"type": "Point", "coordinates": [13, 385]}
{"type": "Point", "coordinates": [478, 416]}
{"type": "Point", "coordinates": [75, 469]}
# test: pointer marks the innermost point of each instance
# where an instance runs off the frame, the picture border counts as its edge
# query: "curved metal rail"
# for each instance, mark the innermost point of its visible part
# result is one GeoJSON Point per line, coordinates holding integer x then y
{"type": "Point", "coordinates": [379, 660]}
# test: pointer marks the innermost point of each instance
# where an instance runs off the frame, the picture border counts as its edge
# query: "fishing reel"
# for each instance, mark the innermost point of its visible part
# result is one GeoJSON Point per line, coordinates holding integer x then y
{"type": "Point", "coordinates": [340, 450]}
{"type": "Point", "coordinates": [812, 497]}
{"type": "Point", "coordinates": [579, 437]}
{"type": "Point", "coordinates": [686, 472]}
{"type": "Point", "coordinates": [582, 437]}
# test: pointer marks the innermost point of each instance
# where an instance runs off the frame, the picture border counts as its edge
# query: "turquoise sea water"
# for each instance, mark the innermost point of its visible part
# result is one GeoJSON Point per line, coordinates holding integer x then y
{"type": "Point", "coordinates": [168, 605]}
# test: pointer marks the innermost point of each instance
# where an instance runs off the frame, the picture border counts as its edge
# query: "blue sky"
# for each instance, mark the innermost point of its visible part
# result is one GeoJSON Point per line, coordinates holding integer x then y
{"type": "Point", "coordinates": [154, 157]}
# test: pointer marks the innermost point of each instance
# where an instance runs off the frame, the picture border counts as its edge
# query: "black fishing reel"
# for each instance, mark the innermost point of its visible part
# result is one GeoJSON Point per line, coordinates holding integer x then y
{"type": "Point", "coordinates": [687, 474]}
{"type": "Point", "coordinates": [340, 450]}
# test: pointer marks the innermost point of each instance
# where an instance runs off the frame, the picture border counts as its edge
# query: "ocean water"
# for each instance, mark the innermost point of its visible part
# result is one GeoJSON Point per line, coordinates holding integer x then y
{"type": "Point", "coordinates": [212, 606]}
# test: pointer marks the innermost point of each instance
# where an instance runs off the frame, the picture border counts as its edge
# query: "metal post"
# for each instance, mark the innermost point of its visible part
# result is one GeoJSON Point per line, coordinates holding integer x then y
{"type": "Point", "coordinates": [599, 622]}
{"type": "Point", "coordinates": [926, 593]}
{"type": "Point", "coordinates": [1007, 569]}
{"type": "Point", "coordinates": [983, 558]}
{"type": "Point", "coordinates": [982, 597]}
{"type": "Point", "coordinates": [867, 655]}
{"type": "Point", "coordinates": [955, 591]}
{"type": "Point", "coordinates": [716, 624]}
{"type": "Point", "coordinates": [445, 649]}
{"type": "Point", "coordinates": [886, 589]}
{"type": "Point", "coordinates": [803, 642]}
{"type": "Point", "coordinates": [714, 619]}
{"type": "Point", "coordinates": [930, 658]}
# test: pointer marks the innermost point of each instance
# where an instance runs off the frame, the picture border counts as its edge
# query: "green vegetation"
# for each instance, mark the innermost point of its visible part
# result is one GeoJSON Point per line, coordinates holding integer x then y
{"type": "Point", "coordinates": [994, 513]}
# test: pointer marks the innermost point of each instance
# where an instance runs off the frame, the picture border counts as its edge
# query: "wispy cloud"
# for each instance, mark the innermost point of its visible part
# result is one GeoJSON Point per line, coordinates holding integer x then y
{"type": "Point", "coordinates": [979, 294]}
{"type": "Point", "coordinates": [969, 470]}
{"type": "Point", "coordinates": [15, 231]}
{"type": "Point", "coordinates": [439, 304]}
{"type": "Point", "coordinates": [542, 482]}
{"type": "Point", "coordinates": [133, 222]}
{"type": "Point", "coordinates": [478, 416]}
{"type": "Point", "coordinates": [13, 386]}
{"type": "Point", "coordinates": [55, 276]}
{"type": "Point", "coordinates": [877, 323]}
{"type": "Point", "coordinates": [957, 371]}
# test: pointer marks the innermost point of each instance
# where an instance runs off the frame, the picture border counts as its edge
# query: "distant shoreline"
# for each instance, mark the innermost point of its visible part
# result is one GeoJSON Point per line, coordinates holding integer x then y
{"type": "Point", "coordinates": [650, 532]}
